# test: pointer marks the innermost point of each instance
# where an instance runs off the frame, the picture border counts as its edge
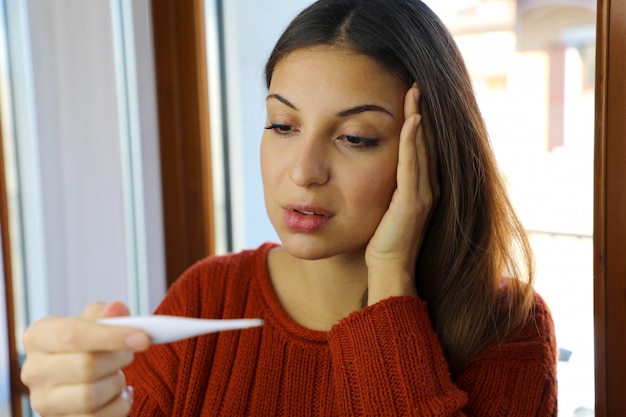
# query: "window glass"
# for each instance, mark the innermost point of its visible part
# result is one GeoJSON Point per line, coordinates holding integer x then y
{"type": "Point", "coordinates": [81, 158]}
{"type": "Point", "coordinates": [249, 30]}
{"type": "Point", "coordinates": [532, 64]}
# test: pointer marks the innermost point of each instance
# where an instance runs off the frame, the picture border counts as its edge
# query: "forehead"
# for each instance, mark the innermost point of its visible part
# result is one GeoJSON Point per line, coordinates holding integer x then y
{"type": "Point", "coordinates": [323, 72]}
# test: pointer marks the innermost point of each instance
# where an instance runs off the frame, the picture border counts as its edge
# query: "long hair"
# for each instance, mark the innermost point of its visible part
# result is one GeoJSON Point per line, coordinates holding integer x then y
{"type": "Point", "coordinates": [474, 244]}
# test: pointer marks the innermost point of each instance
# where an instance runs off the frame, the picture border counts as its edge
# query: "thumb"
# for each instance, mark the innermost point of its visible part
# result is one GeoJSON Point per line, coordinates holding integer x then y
{"type": "Point", "coordinates": [114, 309]}
{"type": "Point", "coordinates": [135, 339]}
{"type": "Point", "coordinates": [101, 310]}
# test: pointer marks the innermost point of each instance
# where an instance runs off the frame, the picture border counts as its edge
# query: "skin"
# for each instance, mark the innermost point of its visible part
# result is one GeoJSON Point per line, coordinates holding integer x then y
{"type": "Point", "coordinates": [73, 363]}
{"type": "Point", "coordinates": [378, 200]}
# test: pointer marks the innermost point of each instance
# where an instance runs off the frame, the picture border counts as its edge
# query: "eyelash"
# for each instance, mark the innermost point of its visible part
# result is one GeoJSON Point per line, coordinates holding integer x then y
{"type": "Point", "coordinates": [280, 128]}
{"type": "Point", "coordinates": [359, 142]}
{"type": "Point", "coordinates": [353, 141]}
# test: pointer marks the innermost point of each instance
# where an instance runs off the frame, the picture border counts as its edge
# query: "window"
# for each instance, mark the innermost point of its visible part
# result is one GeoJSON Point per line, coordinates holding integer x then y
{"type": "Point", "coordinates": [81, 157]}
{"type": "Point", "coordinates": [530, 63]}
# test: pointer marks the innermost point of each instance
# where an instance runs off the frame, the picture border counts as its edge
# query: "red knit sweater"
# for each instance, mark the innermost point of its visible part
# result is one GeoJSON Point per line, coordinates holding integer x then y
{"type": "Point", "coordinates": [383, 360]}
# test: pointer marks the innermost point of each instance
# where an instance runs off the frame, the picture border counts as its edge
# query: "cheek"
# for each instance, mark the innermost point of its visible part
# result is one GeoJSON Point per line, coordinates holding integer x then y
{"type": "Point", "coordinates": [268, 167]}
{"type": "Point", "coordinates": [263, 153]}
{"type": "Point", "coordinates": [374, 193]}
{"type": "Point", "coordinates": [267, 161]}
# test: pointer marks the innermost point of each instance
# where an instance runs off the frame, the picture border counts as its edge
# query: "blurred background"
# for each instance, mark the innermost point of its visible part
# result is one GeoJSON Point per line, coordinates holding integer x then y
{"type": "Point", "coordinates": [83, 164]}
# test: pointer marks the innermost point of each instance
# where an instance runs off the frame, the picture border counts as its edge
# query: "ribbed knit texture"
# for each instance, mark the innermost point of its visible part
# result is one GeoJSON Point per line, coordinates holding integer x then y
{"type": "Point", "coordinates": [384, 360]}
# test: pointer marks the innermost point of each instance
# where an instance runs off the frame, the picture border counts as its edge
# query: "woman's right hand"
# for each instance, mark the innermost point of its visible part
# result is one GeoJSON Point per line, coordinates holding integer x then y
{"type": "Point", "coordinates": [73, 364]}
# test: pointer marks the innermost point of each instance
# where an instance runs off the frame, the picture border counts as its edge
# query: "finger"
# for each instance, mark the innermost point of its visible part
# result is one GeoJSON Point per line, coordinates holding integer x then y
{"type": "Point", "coordinates": [100, 310]}
{"type": "Point", "coordinates": [93, 311]}
{"type": "Point", "coordinates": [411, 100]}
{"type": "Point", "coordinates": [423, 169]}
{"type": "Point", "coordinates": [120, 406]}
{"type": "Point", "coordinates": [68, 334]}
{"type": "Point", "coordinates": [81, 399]}
{"type": "Point", "coordinates": [407, 156]}
{"type": "Point", "coordinates": [72, 368]}
{"type": "Point", "coordinates": [115, 309]}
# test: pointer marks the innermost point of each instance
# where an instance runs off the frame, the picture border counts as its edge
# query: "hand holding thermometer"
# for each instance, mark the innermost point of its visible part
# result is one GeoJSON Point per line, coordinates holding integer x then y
{"type": "Point", "coordinates": [166, 329]}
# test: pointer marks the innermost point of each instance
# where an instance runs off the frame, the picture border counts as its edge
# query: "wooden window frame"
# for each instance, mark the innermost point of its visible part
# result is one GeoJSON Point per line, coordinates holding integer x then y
{"type": "Point", "coordinates": [17, 388]}
{"type": "Point", "coordinates": [182, 103]}
{"type": "Point", "coordinates": [609, 209]}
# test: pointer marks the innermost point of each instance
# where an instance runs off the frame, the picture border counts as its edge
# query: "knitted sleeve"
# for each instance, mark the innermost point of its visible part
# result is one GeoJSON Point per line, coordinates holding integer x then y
{"type": "Point", "coordinates": [388, 361]}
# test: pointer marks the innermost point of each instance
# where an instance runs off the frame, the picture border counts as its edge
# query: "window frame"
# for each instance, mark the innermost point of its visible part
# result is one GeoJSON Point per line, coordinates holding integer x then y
{"type": "Point", "coordinates": [609, 205]}
{"type": "Point", "coordinates": [183, 108]}
{"type": "Point", "coordinates": [17, 388]}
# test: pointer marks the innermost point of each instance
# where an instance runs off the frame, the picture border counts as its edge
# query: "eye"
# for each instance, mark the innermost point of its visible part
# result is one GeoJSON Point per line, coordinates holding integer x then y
{"type": "Point", "coordinates": [281, 129]}
{"type": "Point", "coordinates": [359, 142]}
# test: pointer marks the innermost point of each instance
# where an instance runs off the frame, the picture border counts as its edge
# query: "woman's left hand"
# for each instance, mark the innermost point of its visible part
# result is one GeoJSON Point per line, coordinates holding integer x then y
{"type": "Point", "coordinates": [392, 252]}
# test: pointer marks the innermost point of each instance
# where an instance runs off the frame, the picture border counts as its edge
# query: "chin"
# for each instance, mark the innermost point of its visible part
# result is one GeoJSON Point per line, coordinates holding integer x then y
{"type": "Point", "coordinates": [309, 252]}
{"type": "Point", "coordinates": [313, 249]}
{"type": "Point", "coordinates": [319, 245]}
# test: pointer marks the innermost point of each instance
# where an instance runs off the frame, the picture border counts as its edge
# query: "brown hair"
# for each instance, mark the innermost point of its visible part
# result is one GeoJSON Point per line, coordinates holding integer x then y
{"type": "Point", "coordinates": [474, 237]}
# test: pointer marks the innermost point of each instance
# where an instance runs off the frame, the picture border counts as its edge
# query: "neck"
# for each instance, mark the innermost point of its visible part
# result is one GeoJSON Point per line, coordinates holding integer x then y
{"type": "Point", "coordinates": [317, 294]}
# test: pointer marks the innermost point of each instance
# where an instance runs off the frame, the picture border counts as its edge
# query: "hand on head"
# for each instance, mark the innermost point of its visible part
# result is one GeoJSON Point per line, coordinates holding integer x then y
{"type": "Point", "coordinates": [392, 252]}
{"type": "Point", "coordinates": [73, 365]}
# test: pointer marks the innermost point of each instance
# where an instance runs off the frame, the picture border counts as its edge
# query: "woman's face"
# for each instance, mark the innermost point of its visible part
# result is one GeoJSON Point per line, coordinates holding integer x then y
{"type": "Point", "coordinates": [330, 150]}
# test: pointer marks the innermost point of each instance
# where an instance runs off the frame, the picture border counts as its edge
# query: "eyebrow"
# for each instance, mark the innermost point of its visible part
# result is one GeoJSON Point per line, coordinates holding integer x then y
{"type": "Point", "coordinates": [344, 113]}
{"type": "Point", "coordinates": [282, 100]}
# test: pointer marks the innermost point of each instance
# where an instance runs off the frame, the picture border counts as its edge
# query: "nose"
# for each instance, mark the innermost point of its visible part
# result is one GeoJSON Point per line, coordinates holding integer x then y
{"type": "Point", "coordinates": [310, 163]}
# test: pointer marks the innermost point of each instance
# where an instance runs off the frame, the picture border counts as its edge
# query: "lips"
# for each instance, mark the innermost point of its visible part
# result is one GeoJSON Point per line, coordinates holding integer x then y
{"type": "Point", "coordinates": [305, 218]}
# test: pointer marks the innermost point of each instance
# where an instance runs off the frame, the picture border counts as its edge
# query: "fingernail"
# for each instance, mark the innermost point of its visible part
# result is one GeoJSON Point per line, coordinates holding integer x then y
{"type": "Point", "coordinates": [136, 341]}
{"type": "Point", "coordinates": [128, 393]}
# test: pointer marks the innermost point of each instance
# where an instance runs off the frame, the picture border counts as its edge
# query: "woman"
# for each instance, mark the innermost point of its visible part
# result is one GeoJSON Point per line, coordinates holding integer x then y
{"type": "Point", "coordinates": [403, 283]}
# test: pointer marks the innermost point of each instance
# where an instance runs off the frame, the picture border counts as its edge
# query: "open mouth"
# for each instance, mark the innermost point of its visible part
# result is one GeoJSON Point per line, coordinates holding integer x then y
{"type": "Point", "coordinates": [309, 213]}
